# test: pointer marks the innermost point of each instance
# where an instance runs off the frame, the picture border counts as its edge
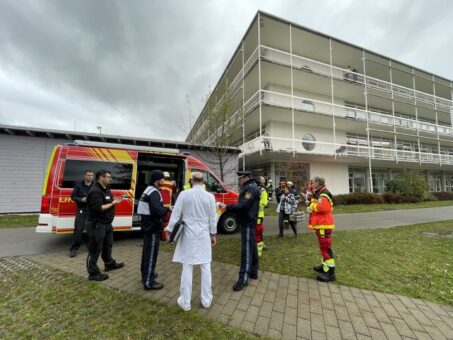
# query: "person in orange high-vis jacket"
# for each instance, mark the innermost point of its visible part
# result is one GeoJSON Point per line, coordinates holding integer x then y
{"type": "Point", "coordinates": [167, 190]}
{"type": "Point", "coordinates": [321, 221]}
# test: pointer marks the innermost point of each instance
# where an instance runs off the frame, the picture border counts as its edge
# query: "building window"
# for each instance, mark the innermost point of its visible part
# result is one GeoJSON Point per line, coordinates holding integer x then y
{"type": "Point", "coordinates": [308, 142]}
{"type": "Point", "coordinates": [357, 180]}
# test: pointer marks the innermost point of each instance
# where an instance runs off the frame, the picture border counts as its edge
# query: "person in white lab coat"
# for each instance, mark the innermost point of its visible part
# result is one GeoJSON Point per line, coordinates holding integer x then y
{"type": "Point", "coordinates": [197, 208]}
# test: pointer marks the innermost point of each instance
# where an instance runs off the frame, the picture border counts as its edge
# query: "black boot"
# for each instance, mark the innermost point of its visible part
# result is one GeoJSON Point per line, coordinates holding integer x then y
{"type": "Point", "coordinates": [319, 269]}
{"type": "Point", "coordinates": [280, 233]}
{"type": "Point", "coordinates": [328, 276]}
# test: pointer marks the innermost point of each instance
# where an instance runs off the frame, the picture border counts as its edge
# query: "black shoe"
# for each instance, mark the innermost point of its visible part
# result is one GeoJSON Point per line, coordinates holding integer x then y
{"type": "Point", "coordinates": [254, 277]}
{"type": "Point", "coordinates": [319, 269]}
{"type": "Point", "coordinates": [155, 275]}
{"type": "Point", "coordinates": [72, 253]}
{"type": "Point", "coordinates": [113, 266]}
{"type": "Point", "coordinates": [326, 277]}
{"type": "Point", "coordinates": [154, 286]}
{"type": "Point", "coordinates": [239, 286]}
{"type": "Point", "coordinates": [98, 277]}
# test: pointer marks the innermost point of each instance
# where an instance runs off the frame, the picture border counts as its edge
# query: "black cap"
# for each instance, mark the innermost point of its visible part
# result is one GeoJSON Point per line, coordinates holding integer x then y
{"type": "Point", "coordinates": [243, 173]}
{"type": "Point", "coordinates": [156, 175]}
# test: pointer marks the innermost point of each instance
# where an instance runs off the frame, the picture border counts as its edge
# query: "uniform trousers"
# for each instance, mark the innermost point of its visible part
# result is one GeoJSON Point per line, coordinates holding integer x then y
{"type": "Point", "coordinates": [149, 257]}
{"type": "Point", "coordinates": [186, 285]}
{"type": "Point", "coordinates": [79, 227]}
{"type": "Point", "coordinates": [100, 242]}
{"type": "Point", "coordinates": [249, 252]}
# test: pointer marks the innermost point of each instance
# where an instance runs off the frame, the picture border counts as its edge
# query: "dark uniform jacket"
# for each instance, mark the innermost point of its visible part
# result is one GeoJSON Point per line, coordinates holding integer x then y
{"type": "Point", "coordinates": [80, 191]}
{"type": "Point", "coordinates": [97, 197]}
{"type": "Point", "coordinates": [247, 207]}
{"type": "Point", "coordinates": [151, 209]}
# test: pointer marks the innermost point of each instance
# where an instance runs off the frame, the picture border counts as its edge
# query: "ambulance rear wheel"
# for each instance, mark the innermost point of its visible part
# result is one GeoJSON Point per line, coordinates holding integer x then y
{"type": "Point", "coordinates": [228, 223]}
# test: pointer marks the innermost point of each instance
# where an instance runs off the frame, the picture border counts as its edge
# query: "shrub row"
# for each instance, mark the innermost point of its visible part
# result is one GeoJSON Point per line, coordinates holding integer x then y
{"type": "Point", "coordinates": [387, 197]}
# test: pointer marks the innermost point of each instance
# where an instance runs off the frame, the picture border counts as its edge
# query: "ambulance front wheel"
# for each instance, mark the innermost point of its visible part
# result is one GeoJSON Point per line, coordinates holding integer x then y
{"type": "Point", "coordinates": [228, 223]}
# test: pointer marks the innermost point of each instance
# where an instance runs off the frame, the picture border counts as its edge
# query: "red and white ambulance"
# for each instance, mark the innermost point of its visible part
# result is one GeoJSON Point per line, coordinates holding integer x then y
{"type": "Point", "coordinates": [131, 168]}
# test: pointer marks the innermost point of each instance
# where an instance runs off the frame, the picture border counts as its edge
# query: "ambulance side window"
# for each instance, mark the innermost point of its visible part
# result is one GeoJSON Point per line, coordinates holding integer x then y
{"type": "Point", "coordinates": [74, 170]}
{"type": "Point", "coordinates": [212, 185]}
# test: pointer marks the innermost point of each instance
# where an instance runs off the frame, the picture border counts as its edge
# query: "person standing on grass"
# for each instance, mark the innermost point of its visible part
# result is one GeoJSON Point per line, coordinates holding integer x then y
{"type": "Point", "coordinates": [100, 214]}
{"type": "Point", "coordinates": [197, 209]}
{"type": "Point", "coordinates": [285, 208]}
{"type": "Point", "coordinates": [259, 232]}
{"type": "Point", "coordinates": [79, 196]}
{"type": "Point", "coordinates": [322, 222]}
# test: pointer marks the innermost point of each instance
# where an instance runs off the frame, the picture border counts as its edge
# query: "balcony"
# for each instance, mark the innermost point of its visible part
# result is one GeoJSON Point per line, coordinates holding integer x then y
{"type": "Point", "coordinates": [327, 108]}
{"type": "Point", "coordinates": [309, 65]}
{"type": "Point", "coordinates": [297, 146]}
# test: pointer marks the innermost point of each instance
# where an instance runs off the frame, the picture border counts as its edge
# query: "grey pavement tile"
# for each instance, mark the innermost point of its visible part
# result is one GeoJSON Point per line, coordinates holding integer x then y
{"type": "Point", "coordinates": [444, 328]}
{"type": "Point", "coordinates": [327, 303]}
{"type": "Point", "coordinates": [248, 326]}
{"type": "Point", "coordinates": [412, 322]}
{"type": "Point", "coordinates": [289, 331]}
{"type": "Point", "coordinates": [276, 321]}
{"type": "Point", "coordinates": [291, 301]}
{"type": "Point", "coordinates": [342, 313]}
{"type": "Point", "coordinates": [333, 333]}
{"type": "Point", "coordinates": [303, 328]}
{"type": "Point", "coordinates": [423, 336]}
{"type": "Point", "coordinates": [402, 327]}
{"type": "Point", "coordinates": [266, 309]}
{"type": "Point", "coordinates": [290, 316]}
{"type": "Point", "coordinates": [377, 334]}
{"type": "Point", "coordinates": [371, 320]}
{"type": "Point", "coordinates": [252, 314]}
{"type": "Point", "coordinates": [236, 319]}
{"type": "Point", "coordinates": [279, 305]}
{"type": "Point", "coordinates": [347, 330]}
{"type": "Point", "coordinates": [262, 325]}
{"type": "Point", "coordinates": [230, 307]}
{"type": "Point", "coordinates": [315, 306]}
{"type": "Point", "coordinates": [381, 315]}
{"type": "Point", "coordinates": [257, 299]}
{"type": "Point", "coordinates": [435, 333]}
{"type": "Point", "coordinates": [318, 336]}
{"type": "Point", "coordinates": [421, 317]}
{"type": "Point", "coordinates": [244, 303]}
{"type": "Point", "coordinates": [303, 311]}
{"type": "Point", "coordinates": [330, 318]}
{"type": "Point", "coordinates": [359, 325]}
{"type": "Point", "coordinates": [390, 331]}
{"type": "Point", "coordinates": [317, 323]}
{"type": "Point", "coordinates": [390, 310]}
{"type": "Point", "coordinates": [274, 333]}
{"type": "Point", "coordinates": [338, 299]}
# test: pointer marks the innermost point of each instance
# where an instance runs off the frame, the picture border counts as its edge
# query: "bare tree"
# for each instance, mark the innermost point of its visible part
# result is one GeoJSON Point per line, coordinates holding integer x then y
{"type": "Point", "coordinates": [220, 130]}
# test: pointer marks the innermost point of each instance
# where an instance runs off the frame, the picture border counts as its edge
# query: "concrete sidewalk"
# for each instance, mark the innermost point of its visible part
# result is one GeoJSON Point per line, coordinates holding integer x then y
{"type": "Point", "coordinates": [281, 306]}
{"type": "Point", "coordinates": [379, 219]}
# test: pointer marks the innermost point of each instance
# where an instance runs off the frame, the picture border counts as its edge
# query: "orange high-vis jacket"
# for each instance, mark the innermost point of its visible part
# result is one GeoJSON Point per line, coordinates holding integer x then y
{"type": "Point", "coordinates": [321, 216]}
{"type": "Point", "coordinates": [167, 189]}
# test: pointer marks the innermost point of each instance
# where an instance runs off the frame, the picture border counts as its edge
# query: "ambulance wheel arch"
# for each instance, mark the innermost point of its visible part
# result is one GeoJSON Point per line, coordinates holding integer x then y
{"type": "Point", "coordinates": [228, 223]}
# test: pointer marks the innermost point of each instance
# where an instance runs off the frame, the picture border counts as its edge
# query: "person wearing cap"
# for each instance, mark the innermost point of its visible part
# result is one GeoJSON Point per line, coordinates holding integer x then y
{"type": "Point", "coordinates": [247, 210]}
{"type": "Point", "coordinates": [167, 190]}
{"type": "Point", "coordinates": [152, 210]}
{"type": "Point", "coordinates": [197, 209]}
{"type": "Point", "coordinates": [321, 221]}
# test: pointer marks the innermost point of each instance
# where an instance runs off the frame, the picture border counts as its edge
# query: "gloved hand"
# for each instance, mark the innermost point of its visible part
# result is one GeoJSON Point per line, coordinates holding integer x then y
{"type": "Point", "coordinates": [309, 210]}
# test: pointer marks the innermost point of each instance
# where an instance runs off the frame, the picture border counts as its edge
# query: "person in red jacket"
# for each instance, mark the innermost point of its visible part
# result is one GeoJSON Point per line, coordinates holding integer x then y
{"type": "Point", "coordinates": [167, 191]}
{"type": "Point", "coordinates": [321, 221]}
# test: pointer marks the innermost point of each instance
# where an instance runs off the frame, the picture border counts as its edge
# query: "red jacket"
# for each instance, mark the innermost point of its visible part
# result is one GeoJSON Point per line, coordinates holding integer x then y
{"type": "Point", "coordinates": [321, 210]}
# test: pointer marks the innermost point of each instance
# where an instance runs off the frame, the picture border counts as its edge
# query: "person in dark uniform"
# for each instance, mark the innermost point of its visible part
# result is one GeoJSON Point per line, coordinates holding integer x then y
{"type": "Point", "coordinates": [247, 213]}
{"type": "Point", "coordinates": [152, 211]}
{"type": "Point", "coordinates": [100, 214]}
{"type": "Point", "coordinates": [79, 196]}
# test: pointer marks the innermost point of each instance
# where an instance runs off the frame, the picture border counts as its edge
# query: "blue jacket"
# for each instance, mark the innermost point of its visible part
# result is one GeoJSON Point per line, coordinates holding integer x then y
{"type": "Point", "coordinates": [248, 204]}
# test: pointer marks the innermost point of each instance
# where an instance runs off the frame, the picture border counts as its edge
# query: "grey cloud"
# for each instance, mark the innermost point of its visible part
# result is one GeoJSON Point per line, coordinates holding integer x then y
{"type": "Point", "coordinates": [129, 65]}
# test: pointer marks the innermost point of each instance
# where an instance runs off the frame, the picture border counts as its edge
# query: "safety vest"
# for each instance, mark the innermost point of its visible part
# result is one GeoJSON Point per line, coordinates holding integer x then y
{"type": "Point", "coordinates": [167, 190]}
{"type": "Point", "coordinates": [188, 186]}
{"type": "Point", "coordinates": [321, 206]}
{"type": "Point", "coordinates": [264, 201]}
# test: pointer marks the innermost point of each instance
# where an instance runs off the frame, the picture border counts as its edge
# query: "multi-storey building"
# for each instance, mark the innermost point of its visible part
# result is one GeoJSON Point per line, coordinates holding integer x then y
{"type": "Point", "coordinates": [310, 104]}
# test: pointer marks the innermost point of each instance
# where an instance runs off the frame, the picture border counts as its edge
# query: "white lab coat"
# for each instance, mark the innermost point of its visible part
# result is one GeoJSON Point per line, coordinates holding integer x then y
{"type": "Point", "coordinates": [197, 209]}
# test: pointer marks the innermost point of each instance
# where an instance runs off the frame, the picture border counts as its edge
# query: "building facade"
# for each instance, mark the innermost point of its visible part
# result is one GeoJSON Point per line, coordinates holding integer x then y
{"type": "Point", "coordinates": [312, 105]}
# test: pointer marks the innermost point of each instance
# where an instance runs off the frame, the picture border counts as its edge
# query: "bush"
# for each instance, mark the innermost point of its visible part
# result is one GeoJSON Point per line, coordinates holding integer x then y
{"type": "Point", "coordinates": [358, 198]}
{"type": "Point", "coordinates": [392, 197]}
{"type": "Point", "coordinates": [443, 196]}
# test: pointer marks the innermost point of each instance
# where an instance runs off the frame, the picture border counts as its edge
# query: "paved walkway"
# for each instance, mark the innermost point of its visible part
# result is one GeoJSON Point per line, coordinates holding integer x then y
{"type": "Point", "coordinates": [281, 306]}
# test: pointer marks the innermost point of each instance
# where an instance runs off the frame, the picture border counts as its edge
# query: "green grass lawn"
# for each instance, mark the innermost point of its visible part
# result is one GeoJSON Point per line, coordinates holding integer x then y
{"type": "Point", "coordinates": [400, 260]}
{"type": "Point", "coordinates": [46, 303]}
{"type": "Point", "coordinates": [17, 221]}
{"type": "Point", "coordinates": [358, 208]}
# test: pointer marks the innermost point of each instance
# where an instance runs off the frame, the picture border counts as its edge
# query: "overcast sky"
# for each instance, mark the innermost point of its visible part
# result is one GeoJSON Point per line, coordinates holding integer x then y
{"type": "Point", "coordinates": [129, 66]}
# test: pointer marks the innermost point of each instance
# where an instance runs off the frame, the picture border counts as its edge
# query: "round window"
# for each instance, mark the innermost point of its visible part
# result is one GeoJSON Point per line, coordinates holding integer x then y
{"type": "Point", "coordinates": [308, 142]}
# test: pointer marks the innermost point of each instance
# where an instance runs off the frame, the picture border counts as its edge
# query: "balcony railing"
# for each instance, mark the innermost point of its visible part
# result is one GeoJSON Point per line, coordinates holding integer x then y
{"type": "Point", "coordinates": [290, 146]}
{"type": "Point", "coordinates": [309, 65]}
{"type": "Point", "coordinates": [327, 108]}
